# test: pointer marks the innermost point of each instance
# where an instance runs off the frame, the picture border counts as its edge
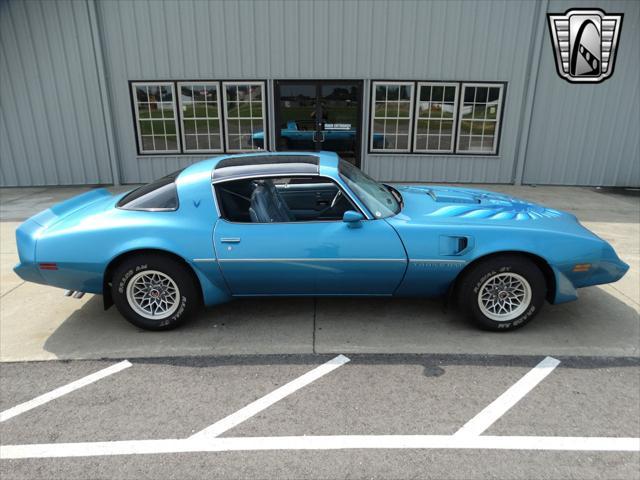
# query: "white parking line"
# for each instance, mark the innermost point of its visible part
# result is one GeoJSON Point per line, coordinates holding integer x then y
{"type": "Point", "coordinates": [59, 392]}
{"type": "Point", "coordinates": [330, 442]}
{"type": "Point", "coordinates": [255, 407]}
{"type": "Point", "coordinates": [508, 399]}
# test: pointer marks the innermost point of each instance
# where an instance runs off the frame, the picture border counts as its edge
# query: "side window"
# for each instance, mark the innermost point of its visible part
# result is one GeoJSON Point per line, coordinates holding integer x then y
{"type": "Point", "coordinates": [282, 200]}
{"type": "Point", "coordinates": [160, 195]}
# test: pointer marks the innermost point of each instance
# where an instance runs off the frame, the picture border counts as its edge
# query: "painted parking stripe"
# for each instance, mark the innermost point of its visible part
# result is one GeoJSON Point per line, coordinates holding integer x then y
{"type": "Point", "coordinates": [508, 399]}
{"type": "Point", "coordinates": [330, 442]}
{"type": "Point", "coordinates": [255, 407]}
{"type": "Point", "coordinates": [59, 392]}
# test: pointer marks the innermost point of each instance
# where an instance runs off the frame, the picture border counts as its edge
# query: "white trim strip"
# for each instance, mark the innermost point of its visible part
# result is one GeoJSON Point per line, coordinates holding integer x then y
{"type": "Point", "coordinates": [269, 399]}
{"type": "Point", "coordinates": [331, 442]}
{"type": "Point", "coordinates": [59, 392]}
{"type": "Point", "coordinates": [403, 260]}
{"type": "Point", "coordinates": [436, 260]}
{"type": "Point", "coordinates": [508, 399]}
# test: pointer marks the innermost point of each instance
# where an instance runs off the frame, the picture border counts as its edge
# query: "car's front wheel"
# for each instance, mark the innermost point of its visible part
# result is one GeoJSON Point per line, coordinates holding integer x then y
{"type": "Point", "coordinates": [154, 292]}
{"type": "Point", "coordinates": [503, 292]}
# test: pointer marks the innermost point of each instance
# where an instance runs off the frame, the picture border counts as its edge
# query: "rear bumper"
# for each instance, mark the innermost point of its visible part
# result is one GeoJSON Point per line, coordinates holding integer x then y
{"type": "Point", "coordinates": [29, 272]}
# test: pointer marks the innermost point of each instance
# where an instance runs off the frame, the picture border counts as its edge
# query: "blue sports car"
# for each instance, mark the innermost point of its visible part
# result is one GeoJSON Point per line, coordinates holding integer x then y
{"type": "Point", "coordinates": [292, 224]}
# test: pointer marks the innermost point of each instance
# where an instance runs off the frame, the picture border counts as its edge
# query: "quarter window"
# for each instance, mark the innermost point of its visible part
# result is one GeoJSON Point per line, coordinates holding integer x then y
{"type": "Point", "coordinates": [200, 109]}
{"type": "Point", "coordinates": [392, 107]}
{"type": "Point", "coordinates": [436, 111]}
{"type": "Point", "coordinates": [480, 114]}
{"type": "Point", "coordinates": [244, 116]}
{"type": "Point", "coordinates": [155, 114]}
{"type": "Point", "coordinates": [159, 195]}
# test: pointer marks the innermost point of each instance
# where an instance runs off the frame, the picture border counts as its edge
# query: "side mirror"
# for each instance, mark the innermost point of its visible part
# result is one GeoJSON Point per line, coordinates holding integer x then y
{"type": "Point", "coordinates": [353, 218]}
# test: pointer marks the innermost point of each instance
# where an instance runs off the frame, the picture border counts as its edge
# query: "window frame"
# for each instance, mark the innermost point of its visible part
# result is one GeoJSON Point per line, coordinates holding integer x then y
{"type": "Point", "coordinates": [136, 116]}
{"type": "Point", "coordinates": [220, 205]}
{"type": "Point", "coordinates": [454, 117]}
{"type": "Point", "coordinates": [263, 85]}
{"type": "Point", "coordinates": [373, 118]}
{"type": "Point", "coordinates": [503, 85]}
{"type": "Point", "coordinates": [182, 117]}
{"type": "Point", "coordinates": [498, 120]}
{"type": "Point", "coordinates": [179, 117]}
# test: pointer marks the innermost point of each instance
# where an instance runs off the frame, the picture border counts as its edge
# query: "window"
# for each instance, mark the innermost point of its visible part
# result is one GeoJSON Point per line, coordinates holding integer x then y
{"type": "Point", "coordinates": [392, 106]}
{"type": "Point", "coordinates": [200, 110]}
{"type": "Point", "coordinates": [444, 118]}
{"type": "Point", "coordinates": [378, 199]}
{"type": "Point", "coordinates": [436, 113]}
{"type": "Point", "coordinates": [282, 200]}
{"type": "Point", "coordinates": [159, 195]}
{"type": "Point", "coordinates": [480, 112]}
{"type": "Point", "coordinates": [244, 116]}
{"type": "Point", "coordinates": [155, 115]}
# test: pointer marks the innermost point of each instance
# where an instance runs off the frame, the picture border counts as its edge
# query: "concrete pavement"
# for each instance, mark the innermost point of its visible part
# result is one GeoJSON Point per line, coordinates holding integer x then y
{"type": "Point", "coordinates": [39, 323]}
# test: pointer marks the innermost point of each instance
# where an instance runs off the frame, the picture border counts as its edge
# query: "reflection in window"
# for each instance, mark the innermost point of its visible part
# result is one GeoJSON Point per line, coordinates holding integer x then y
{"type": "Point", "coordinates": [436, 113]}
{"type": "Point", "coordinates": [244, 115]}
{"type": "Point", "coordinates": [480, 114]}
{"type": "Point", "coordinates": [155, 113]}
{"type": "Point", "coordinates": [391, 116]}
{"type": "Point", "coordinates": [201, 126]}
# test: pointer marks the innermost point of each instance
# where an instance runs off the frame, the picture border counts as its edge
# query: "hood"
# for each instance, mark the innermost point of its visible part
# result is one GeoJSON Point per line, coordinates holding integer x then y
{"type": "Point", "coordinates": [443, 203]}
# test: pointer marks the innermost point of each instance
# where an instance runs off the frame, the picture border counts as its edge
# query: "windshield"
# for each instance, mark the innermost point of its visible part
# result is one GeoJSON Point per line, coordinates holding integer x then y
{"type": "Point", "coordinates": [378, 199]}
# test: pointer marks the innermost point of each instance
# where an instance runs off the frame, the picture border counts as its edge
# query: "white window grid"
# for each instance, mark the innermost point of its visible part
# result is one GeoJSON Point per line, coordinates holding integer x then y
{"type": "Point", "coordinates": [497, 119]}
{"type": "Point", "coordinates": [453, 106]}
{"type": "Point", "coordinates": [196, 118]}
{"type": "Point", "coordinates": [151, 120]}
{"type": "Point", "coordinates": [385, 118]}
{"type": "Point", "coordinates": [251, 118]}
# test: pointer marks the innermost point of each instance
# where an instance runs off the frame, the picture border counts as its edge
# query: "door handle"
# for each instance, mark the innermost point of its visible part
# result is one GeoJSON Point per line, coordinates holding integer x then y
{"type": "Point", "coordinates": [230, 240]}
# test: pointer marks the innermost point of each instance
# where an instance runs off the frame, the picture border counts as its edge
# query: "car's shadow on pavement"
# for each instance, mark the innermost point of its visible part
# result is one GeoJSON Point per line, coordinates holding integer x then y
{"type": "Point", "coordinates": [598, 324]}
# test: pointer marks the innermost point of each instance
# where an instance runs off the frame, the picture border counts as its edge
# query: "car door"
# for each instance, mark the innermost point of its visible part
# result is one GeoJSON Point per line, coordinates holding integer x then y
{"type": "Point", "coordinates": [310, 258]}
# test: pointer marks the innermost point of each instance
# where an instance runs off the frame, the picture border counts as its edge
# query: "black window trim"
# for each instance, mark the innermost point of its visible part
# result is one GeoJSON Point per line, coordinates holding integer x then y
{"type": "Point", "coordinates": [175, 176]}
{"type": "Point", "coordinates": [179, 118]}
{"type": "Point", "coordinates": [455, 153]}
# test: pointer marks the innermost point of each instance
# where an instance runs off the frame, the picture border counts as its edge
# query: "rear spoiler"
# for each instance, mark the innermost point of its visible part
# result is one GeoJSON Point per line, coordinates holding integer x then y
{"type": "Point", "coordinates": [52, 215]}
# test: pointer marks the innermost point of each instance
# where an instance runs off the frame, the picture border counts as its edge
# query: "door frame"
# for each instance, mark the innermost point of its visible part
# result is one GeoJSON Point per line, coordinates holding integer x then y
{"type": "Point", "coordinates": [318, 83]}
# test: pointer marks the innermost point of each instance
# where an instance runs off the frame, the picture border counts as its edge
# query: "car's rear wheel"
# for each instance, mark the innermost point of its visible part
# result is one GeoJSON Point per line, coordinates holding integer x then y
{"type": "Point", "coordinates": [154, 292]}
{"type": "Point", "coordinates": [503, 292]}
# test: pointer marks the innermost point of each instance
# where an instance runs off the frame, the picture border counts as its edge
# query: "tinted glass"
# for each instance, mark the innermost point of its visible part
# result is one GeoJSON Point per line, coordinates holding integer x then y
{"type": "Point", "coordinates": [161, 193]}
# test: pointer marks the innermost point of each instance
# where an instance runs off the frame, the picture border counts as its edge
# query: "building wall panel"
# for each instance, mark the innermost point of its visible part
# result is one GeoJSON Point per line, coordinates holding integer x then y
{"type": "Point", "coordinates": [588, 134]}
{"type": "Point", "coordinates": [53, 128]}
{"type": "Point", "coordinates": [51, 113]}
{"type": "Point", "coordinates": [485, 40]}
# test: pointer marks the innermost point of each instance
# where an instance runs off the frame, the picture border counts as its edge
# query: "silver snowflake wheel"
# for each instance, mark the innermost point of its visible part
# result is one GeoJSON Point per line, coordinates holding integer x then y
{"type": "Point", "coordinates": [504, 297]}
{"type": "Point", "coordinates": [153, 295]}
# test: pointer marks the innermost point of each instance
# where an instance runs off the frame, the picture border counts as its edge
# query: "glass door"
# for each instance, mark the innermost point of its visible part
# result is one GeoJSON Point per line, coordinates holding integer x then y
{"type": "Point", "coordinates": [319, 115]}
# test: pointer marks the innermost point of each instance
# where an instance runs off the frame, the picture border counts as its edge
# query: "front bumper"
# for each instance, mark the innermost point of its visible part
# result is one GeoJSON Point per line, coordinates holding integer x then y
{"type": "Point", "coordinates": [602, 271]}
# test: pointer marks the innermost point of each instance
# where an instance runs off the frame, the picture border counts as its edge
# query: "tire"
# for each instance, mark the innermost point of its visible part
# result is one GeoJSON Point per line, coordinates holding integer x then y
{"type": "Point", "coordinates": [502, 293]}
{"type": "Point", "coordinates": [154, 291]}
